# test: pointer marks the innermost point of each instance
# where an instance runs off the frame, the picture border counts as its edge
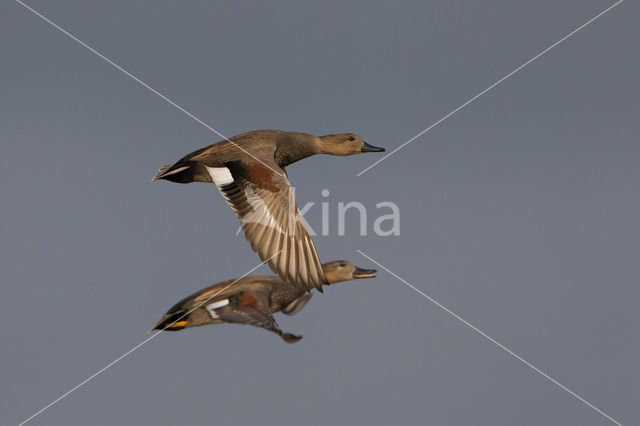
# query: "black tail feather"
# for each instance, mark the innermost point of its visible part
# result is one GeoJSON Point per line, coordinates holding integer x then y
{"type": "Point", "coordinates": [181, 172]}
{"type": "Point", "coordinates": [174, 321]}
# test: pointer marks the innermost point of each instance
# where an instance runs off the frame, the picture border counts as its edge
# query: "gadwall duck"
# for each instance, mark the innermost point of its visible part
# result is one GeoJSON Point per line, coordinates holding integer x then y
{"type": "Point", "coordinates": [248, 169]}
{"type": "Point", "coordinates": [251, 300]}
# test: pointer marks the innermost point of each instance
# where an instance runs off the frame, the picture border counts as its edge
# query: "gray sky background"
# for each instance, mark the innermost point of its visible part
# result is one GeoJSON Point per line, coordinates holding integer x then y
{"type": "Point", "coordinates": [520, 213]}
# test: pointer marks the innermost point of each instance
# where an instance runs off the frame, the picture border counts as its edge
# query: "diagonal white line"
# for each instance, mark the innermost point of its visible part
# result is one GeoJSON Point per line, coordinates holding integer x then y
{"type": "Point", "coordinates": [492, 86]}
{"type": "Point", "coordinates": [142, 83]}
{"type": "Point", "coordinates": [494, 341]}
{"type": "Point", "coordinates": [133, 349]}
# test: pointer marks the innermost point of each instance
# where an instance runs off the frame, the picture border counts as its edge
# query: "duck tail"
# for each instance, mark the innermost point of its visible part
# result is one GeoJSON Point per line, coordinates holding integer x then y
{"type": "Point", "coordinates": [181, 172]}
{"type": "Point", "coordinates": [174, 321]}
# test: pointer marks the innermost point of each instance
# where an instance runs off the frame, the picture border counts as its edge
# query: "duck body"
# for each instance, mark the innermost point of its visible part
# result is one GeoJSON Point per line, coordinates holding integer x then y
{"type": "Point", "coordinates": [249, 171]}
{"type": "Point", "coordinates": [272, 293]}
{"type": "Point", "coordinates": [250, 300]}
{"type": "Point", "coordinates": [266, 148]}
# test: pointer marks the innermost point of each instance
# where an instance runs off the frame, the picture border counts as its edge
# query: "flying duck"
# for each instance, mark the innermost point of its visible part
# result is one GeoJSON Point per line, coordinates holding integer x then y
{"type": "Point", "coordinates": [249, 171]}
{"type": "Point", "coordinates": [251, 300]}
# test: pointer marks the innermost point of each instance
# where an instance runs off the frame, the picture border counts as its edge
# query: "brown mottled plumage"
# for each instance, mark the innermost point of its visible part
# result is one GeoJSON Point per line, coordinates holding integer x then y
{"type": "Point", "coordinates": [251, 300]}
{"type": "Point", "coordinates": [249, 172]}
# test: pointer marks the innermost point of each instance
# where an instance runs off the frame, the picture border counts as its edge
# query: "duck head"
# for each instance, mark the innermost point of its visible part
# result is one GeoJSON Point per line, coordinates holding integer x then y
{"type": "Point", "coordinates": [341, 270]}
{"type": "Point", "coordinates": [345, 144]}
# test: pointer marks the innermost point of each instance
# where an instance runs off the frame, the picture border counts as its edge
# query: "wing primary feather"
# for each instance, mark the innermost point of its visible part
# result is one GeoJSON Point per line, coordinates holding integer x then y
{"type": "Point", "coordinates": [293, 259]}
{"type": "Point", "coordinates": [312, 279]}
{"type": "Point", "coordinates": [303, 268]}
{"type": "Point", "coordinates": [283, 257]}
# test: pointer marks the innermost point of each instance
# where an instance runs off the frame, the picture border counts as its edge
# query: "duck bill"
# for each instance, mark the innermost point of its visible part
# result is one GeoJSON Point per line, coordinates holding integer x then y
{"type": "Point", "coordinates": [364, 273]}
{"type": "Point", "coordinates": [370, 148]}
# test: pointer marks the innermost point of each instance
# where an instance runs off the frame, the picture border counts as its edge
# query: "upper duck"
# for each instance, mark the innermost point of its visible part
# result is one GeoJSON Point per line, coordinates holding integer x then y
{"type": "Point", "coordinates": [249, 171]}
{"type": "Point", "coordinates": [251, 300]}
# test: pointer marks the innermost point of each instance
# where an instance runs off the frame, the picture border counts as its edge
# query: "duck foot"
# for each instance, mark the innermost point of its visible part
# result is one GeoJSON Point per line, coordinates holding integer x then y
{"type": "Point", "coordinates": [290, 338]}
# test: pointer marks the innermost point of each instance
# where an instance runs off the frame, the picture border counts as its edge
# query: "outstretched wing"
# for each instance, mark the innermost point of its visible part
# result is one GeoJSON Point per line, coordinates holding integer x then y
{"type": "Point", "coordinates": [265, 203]}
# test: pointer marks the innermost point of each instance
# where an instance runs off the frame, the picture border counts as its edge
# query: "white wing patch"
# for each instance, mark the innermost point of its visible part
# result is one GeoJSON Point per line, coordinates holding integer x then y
{"type": "Point", "coordinates": [220, 175]}
{"type": "Point", "coordinates": [216, 305]}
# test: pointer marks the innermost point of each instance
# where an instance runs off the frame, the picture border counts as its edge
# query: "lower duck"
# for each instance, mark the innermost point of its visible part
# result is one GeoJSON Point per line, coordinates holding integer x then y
{"type": "Point", "coordinates": [251, 300]}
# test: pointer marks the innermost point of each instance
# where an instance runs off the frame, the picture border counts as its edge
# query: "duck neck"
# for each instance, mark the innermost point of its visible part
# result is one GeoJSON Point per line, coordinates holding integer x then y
{"type": "Point", "coordinates": [295, 147]}
{"type": "Point", "coordinates": [332, 277]}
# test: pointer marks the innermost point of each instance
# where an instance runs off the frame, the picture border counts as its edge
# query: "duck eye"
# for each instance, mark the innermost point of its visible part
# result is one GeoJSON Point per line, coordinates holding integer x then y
{"type": "Point", "coordinates": [343, 265]}
{"type": "Point", "coordinates": [351, 138]}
